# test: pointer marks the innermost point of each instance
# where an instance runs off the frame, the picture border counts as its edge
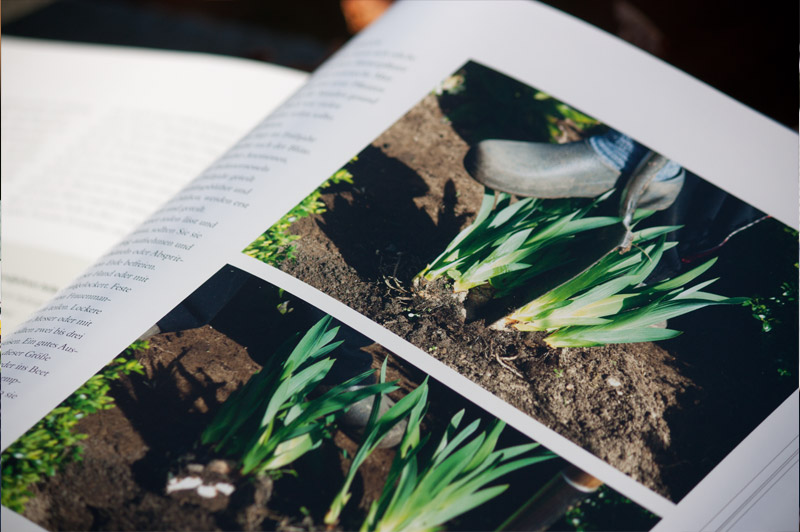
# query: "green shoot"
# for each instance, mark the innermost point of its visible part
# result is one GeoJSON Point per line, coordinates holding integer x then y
{"type": "Point", "coordinates": [422, 493]}
{"type": "Point", "coordinates": [609, 303]}
{"type": "Point", "coordinates": [509, 243]}
{"type": "Point", "coordinates": [269, 423]}
{"type": "Point", "coordinates": [412, 406]}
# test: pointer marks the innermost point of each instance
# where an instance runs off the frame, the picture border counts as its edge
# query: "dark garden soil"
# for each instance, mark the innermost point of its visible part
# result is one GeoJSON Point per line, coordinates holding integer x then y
{"type": "Point", "coordinates": [131, 451]}
{"type": "Point", "coordinates": [639, 407]}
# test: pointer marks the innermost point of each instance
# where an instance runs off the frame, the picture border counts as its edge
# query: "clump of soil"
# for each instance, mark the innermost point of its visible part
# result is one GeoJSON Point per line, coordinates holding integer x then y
{"type": "Point", "coordinates": [623, 403]}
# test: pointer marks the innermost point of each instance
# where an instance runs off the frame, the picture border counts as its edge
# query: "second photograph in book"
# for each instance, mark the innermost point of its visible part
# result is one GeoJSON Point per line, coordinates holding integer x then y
{"type": "Point", "coordinates": [246, 408]}
{"type": "Point", "coordinates": [580, 276]}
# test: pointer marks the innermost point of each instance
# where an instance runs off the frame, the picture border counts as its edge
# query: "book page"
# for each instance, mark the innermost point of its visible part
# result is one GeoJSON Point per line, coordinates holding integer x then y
{"type": "Point", "coordinates": [355, 101]}
{"type": "Point", "coordinates": [95, 138]}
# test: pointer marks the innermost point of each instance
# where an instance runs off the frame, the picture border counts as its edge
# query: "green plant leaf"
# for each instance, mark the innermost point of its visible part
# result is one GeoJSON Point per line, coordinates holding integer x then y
{"type": "Point", "coordinates": [450, 481]}
{"type": "Point", "coordinates": [589, 337]}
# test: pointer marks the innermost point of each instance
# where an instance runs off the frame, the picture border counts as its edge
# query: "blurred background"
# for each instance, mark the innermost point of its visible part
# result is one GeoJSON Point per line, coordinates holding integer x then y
{"type": "Point", "coordinates": [747, 50]}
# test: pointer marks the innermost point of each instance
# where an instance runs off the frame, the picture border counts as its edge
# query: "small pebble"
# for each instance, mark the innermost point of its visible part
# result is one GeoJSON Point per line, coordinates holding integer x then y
{"type": "Point", "coordinates": [613, 382]}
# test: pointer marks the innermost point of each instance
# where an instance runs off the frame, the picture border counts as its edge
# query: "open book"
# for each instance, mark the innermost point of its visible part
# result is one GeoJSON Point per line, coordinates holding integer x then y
{"type": "Point", "coordinates": [198, 375]}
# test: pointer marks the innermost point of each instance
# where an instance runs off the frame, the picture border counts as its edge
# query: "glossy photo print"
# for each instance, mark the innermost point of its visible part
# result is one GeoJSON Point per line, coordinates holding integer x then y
{"type": "Point", "coordinates": [581, 277]}
{"type": "Point", "coordinates": [246, 408]}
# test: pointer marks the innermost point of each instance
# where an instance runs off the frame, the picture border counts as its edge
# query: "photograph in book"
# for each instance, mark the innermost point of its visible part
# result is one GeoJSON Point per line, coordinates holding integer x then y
{"type": "Point", "coordinates": [247, 408]}
{"type": "Point", "coordinates": [586, 280]}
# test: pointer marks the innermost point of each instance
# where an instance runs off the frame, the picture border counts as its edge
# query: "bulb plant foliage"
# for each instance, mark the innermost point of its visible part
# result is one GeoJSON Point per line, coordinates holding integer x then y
{"type": "Point", "coordinates": [502, 245]}
{"type": "Point", "coordinates": [511, 247]}
{"type": "Point", "coordinates": [424, 491]}
{"type": "Point", "coordinates": [271, 422]}
{"type": "Point", "coordinates": [610, 304]}
{"type": "Point", "coordinates": [428, 486]}
{"type": "Point", "coordinates": [376, 429]}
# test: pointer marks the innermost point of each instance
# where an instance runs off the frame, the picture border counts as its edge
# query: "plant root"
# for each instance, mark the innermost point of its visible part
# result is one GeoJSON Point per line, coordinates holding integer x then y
{"type": "Point", "coordinates": [396, 289]}
{"type": "Point", "coordinates": [502, 362]}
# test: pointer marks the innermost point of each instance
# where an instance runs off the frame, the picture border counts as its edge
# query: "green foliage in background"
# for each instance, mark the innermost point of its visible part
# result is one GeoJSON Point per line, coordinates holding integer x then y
{"type": "Point", "coordinates": [777, 313]}
{"type": "Point", "coordinates": [276, 244]}
{"type": "Point", "coordinates": [52, 443]}
{"type": "Point", "coordinates": [606, 510]}
{"type": "Point", "coordinates": [769, 310]}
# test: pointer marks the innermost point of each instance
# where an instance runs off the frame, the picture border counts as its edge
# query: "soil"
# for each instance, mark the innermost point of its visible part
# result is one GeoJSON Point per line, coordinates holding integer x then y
{"type": "Point", "coordinates": [150, 436]}
{"type": "Point", "coordinates": [132, 450]}
{"type": "Point", "coordinates": [627, 404]}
